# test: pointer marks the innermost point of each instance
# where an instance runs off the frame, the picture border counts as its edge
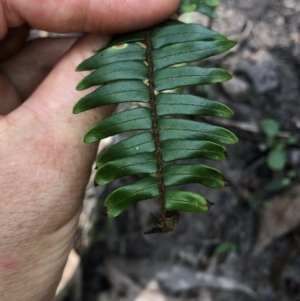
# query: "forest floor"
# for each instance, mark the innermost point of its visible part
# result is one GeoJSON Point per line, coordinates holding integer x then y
{"type": "Point", "coordinates": [248, 246]}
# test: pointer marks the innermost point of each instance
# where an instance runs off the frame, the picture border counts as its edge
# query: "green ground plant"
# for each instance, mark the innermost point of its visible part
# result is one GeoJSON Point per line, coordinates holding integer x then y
{"type": "Point", "coordinates": [277, 156]}
{"type": "Point", "coordinates": [147, 68]}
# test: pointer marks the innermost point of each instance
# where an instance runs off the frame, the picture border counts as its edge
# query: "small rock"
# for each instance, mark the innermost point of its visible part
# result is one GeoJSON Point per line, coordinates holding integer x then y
{"type": "Point", "coordinates": [263, 72]}
{"type": "Point", "coordinates": [177, 281]}
{"type": "Point", "coordinates": [104, 297]}
{"type": "Point", "coordinates": [295, 156]}
{"type": "Point", "coordinates": [293, 4]}
{"type": "Point", "coordinates": [236, 89]}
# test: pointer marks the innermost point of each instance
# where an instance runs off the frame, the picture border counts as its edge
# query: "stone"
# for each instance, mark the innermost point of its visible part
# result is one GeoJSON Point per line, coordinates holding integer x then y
{"type": "Point", "coordinates": [263, 72]}
{"type": "Point", "coordinates": [236, 89]}
{"type": "Point", "coordinates": [177, 281]}
{"type": "Point", "coordinates": [294, 155]}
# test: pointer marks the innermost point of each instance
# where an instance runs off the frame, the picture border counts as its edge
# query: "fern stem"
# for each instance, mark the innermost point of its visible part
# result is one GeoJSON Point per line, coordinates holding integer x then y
{"type": "Point", "coordinates": [154, 118]}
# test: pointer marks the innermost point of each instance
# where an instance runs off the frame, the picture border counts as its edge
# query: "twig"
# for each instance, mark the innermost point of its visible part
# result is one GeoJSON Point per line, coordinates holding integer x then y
{"type": "Point", "coordinates": [222, 283]}
{"type": "Point", "coordinates": [244, 126]}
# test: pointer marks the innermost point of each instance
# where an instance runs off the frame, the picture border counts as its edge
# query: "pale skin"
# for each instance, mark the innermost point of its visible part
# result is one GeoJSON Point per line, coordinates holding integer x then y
{"type": "Point", "coordinates": [44, 163]}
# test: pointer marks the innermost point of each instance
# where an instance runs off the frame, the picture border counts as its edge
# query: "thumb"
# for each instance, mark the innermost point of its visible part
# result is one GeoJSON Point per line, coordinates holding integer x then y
{"type": "Point", "coordinates": [105, 16]}
{"type": "Point", "coordinates": [50, 106]}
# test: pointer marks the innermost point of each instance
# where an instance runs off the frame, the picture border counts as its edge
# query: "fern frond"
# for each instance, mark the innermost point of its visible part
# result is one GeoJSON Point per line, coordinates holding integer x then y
{"type": "Point", "coordinates": [205, 7]}
{"type": "Point", "coordinates": [140, 67]}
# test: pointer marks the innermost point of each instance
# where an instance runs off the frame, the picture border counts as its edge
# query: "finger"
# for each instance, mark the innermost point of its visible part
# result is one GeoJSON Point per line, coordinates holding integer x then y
{"type": "Point", "coordinates": [9, 98]}
{"type": "Point", "coordinates": [13, 41]}
{"type": "Point", "coordinates": [105, 16]}
{"type": "Point", "coordinates": [27, 69]}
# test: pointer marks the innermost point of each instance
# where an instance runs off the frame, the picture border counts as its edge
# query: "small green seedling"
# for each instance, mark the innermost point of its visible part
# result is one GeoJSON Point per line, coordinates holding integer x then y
{"type": "Point", "coordinates": [224, 248]}
{"type": "Point", "coordinates": [277, 157]}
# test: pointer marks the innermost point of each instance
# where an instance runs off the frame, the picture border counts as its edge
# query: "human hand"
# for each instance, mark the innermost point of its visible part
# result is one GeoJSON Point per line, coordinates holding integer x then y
{"type": "Point", "coordinates": [44, 163]}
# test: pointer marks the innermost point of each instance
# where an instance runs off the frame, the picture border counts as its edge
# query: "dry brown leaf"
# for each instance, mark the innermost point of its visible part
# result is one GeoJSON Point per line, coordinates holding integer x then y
{"type": "Point", "coordinates": [281, 217]}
